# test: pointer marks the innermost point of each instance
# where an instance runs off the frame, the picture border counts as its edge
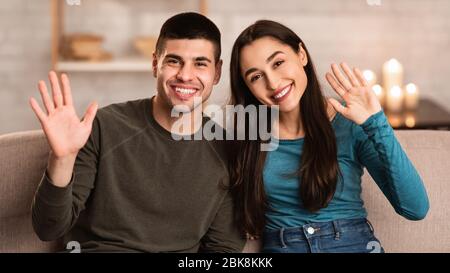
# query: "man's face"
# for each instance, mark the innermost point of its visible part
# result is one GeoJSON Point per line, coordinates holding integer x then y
{"type": "Point", "coordinates": [186, 69]}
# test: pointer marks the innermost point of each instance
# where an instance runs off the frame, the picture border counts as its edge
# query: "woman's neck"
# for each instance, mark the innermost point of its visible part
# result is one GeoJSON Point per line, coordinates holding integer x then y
{"type": "Point", "coordinates": [290, 125]}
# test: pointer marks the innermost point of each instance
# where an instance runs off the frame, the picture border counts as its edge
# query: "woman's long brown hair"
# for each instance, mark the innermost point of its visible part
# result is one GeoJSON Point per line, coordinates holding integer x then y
{"type": "Point", "coordinates": [318, 170]}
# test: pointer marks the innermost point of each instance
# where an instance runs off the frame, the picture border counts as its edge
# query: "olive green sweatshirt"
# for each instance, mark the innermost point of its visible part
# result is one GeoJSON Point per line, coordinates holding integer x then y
{"type": "Point", "coordinates": [135, 188]}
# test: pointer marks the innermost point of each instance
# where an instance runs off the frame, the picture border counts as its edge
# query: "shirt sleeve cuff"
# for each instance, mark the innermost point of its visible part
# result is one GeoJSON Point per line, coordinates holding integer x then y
{"type": "Point", "coordinates": [377, 123]}
{"type": "Point", "coordinates": [52, 194]}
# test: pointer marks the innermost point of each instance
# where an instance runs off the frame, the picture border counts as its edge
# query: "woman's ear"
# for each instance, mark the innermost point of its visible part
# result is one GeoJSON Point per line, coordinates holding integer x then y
{"type": "Point", "coordinates": [303, 56]}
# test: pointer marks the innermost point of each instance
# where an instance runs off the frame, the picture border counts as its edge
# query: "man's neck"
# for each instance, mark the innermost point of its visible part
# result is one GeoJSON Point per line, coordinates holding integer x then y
{"type": "Point", "coordinates": [190, 122]}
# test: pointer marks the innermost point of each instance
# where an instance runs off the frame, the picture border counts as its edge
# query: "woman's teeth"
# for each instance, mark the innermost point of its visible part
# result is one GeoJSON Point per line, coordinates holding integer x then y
{"type": "Point", "coordinates": [282, 93]}
{"type": "Point", "coordinates": [185, 90]}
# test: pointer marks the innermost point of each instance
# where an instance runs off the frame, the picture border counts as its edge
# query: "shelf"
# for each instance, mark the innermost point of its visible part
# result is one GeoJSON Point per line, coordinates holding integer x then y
{"type": "Point", "coordinates": [117, 65]}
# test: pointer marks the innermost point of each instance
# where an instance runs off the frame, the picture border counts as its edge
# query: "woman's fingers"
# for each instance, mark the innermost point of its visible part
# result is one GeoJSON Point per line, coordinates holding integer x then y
{"type": "Point", "coordinates": [335, 84]}
{"type": "Point", "coordinates": [37, 110]}
{"type": "Point", "coordinates": [67, 92]}
{"type": "Point", "coordinates": [338, 106]}
{"type": "Point", "coordinates": [360, 77]}
{"type": "Point", "coordinates": [342, 80]}
{"type": "Point", "coordinates": [348, 72]}
{"type": "Point", "coordinates": [56, 91]}
{"type": "Point", "coordinates": [48, 102]}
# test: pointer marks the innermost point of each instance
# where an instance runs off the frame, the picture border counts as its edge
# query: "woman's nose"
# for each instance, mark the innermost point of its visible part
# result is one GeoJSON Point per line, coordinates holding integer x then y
{"type": "Point", "coordinates": [271, 82]}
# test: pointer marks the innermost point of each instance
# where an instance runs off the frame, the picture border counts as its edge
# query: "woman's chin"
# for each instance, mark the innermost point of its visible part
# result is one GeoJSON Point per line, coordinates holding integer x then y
{"type": "Point", "coordinates": [288, 105]}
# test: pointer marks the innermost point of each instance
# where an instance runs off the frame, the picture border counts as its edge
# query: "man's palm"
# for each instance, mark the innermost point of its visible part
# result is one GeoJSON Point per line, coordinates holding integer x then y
{"type": "Point", "coordinates": [66, 133]}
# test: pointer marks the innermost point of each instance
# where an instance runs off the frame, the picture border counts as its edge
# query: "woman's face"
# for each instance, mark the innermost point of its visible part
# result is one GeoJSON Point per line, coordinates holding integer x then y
{"type": "Point", "coordinates": [274, 72]}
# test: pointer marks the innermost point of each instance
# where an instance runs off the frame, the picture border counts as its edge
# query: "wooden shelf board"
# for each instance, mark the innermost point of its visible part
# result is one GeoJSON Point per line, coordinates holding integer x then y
{"type": "Point", "coordinates": [122, 64]}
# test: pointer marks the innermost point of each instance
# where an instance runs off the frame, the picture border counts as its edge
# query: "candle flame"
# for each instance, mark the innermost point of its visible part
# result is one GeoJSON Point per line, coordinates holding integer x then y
{"type": "Point", "coordinates": [377, 89]}
{"type": "Point", "coordinates": [393, 65]}
{"type": "Point", "coordinates": [396, 91]}
{"type": "Point", "coordinates": [411, 88]}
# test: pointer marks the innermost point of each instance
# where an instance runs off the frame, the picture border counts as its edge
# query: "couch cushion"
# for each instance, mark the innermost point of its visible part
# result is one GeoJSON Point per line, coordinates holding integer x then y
{"type": "Point", "coordinates": [430, 153]}
{"type": "Point", "coordinates": [23, 157]}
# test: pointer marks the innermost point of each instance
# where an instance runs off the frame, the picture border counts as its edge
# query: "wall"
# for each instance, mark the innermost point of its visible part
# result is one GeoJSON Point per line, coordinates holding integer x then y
{"type": "Point", "coordinates": [416, 32]}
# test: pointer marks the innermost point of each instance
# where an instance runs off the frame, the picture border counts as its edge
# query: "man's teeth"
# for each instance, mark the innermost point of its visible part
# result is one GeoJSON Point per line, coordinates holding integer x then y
{"type": "Point", "coordinates": [282, 93]}
{"type": "Point", "coordinates": [185, 90]}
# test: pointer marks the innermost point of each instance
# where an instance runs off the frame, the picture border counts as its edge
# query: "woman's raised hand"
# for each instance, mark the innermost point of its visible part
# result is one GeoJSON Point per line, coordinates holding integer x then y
{"type": "Point", "coordinates": [360, 101]}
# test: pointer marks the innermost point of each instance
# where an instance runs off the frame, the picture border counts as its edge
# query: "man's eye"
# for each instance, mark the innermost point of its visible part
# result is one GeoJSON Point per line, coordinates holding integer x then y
{"type": "Point", "coordinates": [254, 78]}
{"type": "Point", "coordinates": [201, 64]}
{"type": "Point", "coordinates": [278, 63]}
{"type": "Point", "coordinates": [172, 61]}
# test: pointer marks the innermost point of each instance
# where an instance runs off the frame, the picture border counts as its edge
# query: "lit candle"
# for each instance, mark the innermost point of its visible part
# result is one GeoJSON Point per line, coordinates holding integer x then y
{"type": "Point", "coordinates": [370, 77]}
{"type": "Point", "coordinates": [411, 96]}
{"type": "Point", "coordinates": [392, 74]}
{"type": "Point", "coordinates": [394, 99]}
{"type": "Point", "coordinates": [410, 120]}
{"type": "Point", "coordinates": [379, 92]}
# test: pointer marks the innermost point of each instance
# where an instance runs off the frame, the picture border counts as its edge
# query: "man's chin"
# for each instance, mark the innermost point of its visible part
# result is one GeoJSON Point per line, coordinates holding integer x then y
{"type": "Point", "coordinates": [187, 106]}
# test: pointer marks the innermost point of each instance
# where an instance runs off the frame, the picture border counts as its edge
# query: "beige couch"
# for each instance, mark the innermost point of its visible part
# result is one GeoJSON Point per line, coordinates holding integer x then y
{"type": "Point", "coordinates": [23, 157]}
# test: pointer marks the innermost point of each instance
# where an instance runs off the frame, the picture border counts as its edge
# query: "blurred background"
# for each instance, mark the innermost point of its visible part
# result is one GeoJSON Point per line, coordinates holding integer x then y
{"type": "Point", "coordinates": [104, 46]}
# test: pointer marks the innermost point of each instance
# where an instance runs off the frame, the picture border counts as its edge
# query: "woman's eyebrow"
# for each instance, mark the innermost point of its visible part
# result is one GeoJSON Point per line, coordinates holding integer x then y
{"type": "Point", "coordinates": [270, 58]}
{"type": "Point", "coordinates": [273, 56]}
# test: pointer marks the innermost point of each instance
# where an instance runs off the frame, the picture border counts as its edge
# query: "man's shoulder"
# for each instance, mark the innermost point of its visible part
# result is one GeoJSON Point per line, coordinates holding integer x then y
{"type": "Point", "coordinates": [128, 112]}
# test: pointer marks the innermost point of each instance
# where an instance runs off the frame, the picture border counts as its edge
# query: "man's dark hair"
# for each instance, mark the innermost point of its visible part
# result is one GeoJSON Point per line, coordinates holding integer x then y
{"type": "Point", "coordinates": [189, 25]}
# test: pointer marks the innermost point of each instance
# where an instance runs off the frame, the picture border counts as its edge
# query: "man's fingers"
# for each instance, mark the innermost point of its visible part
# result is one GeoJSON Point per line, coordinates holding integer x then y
{"type": "Point", "coordinates": [67, 92]}
{"type": "Point", "coordinates": [56, 91]}
{"type": "Point", "coordinates": [37, 110]}
{"type": "Point", "coordinates": [48, 102]}
{"type": "Point", "coordinates": [90, 114]}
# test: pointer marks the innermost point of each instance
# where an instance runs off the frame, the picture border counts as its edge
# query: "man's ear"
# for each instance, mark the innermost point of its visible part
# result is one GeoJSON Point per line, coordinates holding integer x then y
{"type": "Point", "coordinates": [218, 72]}
{"type": "Point", "coordinates": [303, 56]}
{"type": "Point", "coordinates": [155, 64]}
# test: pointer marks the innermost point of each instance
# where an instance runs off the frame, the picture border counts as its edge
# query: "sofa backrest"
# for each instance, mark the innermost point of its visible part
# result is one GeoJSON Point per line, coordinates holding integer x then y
{"type": "Point", "coordinates": [23, 157]}
{"type": "Point", "coordinates": [430, 153]}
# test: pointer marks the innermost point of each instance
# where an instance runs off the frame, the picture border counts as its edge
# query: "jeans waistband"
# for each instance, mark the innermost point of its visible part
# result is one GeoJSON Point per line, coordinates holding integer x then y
{"type": "Point", "coordinates": [319, 229]}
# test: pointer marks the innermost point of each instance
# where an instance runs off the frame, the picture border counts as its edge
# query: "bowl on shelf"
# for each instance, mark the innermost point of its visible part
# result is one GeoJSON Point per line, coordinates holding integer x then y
{"type": "Point", "coordinates": [145, 45]}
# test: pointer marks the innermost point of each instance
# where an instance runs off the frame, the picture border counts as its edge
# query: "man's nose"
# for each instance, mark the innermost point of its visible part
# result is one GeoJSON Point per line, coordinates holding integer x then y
{"type": "Point", "coordinates": [186, 73]}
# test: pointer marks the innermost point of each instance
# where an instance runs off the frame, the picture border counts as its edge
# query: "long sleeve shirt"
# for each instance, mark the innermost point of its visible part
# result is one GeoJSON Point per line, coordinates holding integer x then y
{"type": "Point", "coordinates": [371, 145]}
{"type": "Point", "coordinates": [136, 188]}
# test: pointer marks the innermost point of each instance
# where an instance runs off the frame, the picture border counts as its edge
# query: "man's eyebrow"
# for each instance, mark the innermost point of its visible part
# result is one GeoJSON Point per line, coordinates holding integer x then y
{"type": "Point", "coordinates": [173, 56]}
{"type": "Point", "coordinates": [270, 58]}
{"type": "Point", "coordinates": [203, 58]}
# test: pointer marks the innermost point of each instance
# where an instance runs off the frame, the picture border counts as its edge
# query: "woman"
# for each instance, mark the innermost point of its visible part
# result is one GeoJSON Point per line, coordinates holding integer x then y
{"type": "Point", "coordinates": [305, 195]}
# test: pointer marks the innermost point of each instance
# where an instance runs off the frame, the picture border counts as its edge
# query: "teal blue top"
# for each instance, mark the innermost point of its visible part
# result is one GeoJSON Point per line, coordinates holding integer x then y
{"type": "Point", "coordinates": [372, 145]}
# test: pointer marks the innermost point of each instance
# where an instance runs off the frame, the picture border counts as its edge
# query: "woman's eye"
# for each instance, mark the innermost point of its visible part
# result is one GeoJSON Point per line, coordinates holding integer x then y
{"type": "Point", "coordinates": [278, 63]}
{"type": "Point", "coordinates": [254, 78]}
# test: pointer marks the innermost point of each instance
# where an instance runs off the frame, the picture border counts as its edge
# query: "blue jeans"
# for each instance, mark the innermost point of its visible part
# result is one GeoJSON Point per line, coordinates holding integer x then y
{"type": "Point", "coordinates": [340, 236]}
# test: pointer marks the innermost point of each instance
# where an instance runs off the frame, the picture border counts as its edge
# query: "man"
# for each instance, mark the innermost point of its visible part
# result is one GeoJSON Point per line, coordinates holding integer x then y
{"type": "Point", "coordinates": [118, 181]}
